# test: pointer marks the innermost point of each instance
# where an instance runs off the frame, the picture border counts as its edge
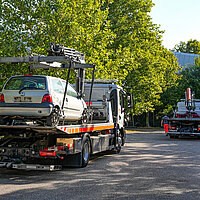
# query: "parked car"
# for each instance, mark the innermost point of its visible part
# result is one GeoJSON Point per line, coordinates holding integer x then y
{"type": "Point", "coordinates": [39, 98]}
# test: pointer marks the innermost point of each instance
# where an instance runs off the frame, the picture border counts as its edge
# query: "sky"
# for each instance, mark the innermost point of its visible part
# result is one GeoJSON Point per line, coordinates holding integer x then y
{"type": "Point", "coordinates": [180, 19]}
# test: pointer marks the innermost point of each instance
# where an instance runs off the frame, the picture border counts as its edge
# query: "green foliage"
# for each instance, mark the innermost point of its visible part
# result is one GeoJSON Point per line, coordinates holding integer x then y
{"type": "Point", "coordinates": [146, 68]}
{"type": "Point", "coordinates": [188, 78]}
{"type": "Point", "coordinates": [191, 46]}
{"type": "Point", "coordinates": [117, 35]}
{"type": "Point", "coordinates": [29, 26]}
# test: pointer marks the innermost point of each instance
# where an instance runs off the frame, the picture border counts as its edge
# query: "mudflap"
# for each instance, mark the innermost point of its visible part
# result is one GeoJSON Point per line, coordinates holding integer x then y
{"type": "Point", "coordinates": [74, 160]}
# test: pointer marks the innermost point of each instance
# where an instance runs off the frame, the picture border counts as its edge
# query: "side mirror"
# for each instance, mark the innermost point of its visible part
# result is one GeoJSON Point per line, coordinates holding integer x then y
{"type": "Point", "coordinates": [79, 96]}
{"type": "Point", "coordinates": [129, 103]}
{"type": "Point", "coordinates": [129, 100]}
{"type": "Point", "coordinates": [104, 98]}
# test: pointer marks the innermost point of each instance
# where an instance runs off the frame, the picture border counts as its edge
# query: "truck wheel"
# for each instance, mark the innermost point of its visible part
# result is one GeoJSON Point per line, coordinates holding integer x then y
{"type": "Point", "coordinates": [123, 136]}
{"type": "Point", "coordinates": [6, 121]}
{"type": "Point", "coordinates": [119, 143]}
{"type": "Point", "coordinates": [118, 148]}
{"type": "Point", "coordinates": [2, 121]}
{"type": "Point", "coordinates": [86, 150]}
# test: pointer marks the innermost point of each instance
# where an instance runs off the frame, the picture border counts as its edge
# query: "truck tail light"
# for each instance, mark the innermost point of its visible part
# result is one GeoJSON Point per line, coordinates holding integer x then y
{"type": "Point", "coordinates": [173, 128]}
{"type": "Point", "coordinates": [87, 103]}
{"type": "Point", "coordinates": [2, 98]}
{"type": "Point", "coordinates": [47, 98]}
{"type": "Point", "coordinates": [189, 94]}
{"type": "Point", "coordinates": [48, 153]}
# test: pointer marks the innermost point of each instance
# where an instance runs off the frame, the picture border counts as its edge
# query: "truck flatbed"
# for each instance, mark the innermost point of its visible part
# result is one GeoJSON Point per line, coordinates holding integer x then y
{"type": "Point", "coordinates": [65, 129]}
{"type": "Point", "coordinates": [186, 133]}
{"type": "Point", "coordinates": [181, 127]}
{"type": "Point", "coordinates": [184, 119]}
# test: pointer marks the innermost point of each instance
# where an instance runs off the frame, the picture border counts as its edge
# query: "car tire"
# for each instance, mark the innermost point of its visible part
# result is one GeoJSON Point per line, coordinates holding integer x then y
{"type": "Point", "coordinates": [52, 119]}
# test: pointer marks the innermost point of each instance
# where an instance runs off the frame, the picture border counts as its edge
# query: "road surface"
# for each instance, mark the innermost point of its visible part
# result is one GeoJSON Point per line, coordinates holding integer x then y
{"type": "Point", "coordinates": [150, 166]}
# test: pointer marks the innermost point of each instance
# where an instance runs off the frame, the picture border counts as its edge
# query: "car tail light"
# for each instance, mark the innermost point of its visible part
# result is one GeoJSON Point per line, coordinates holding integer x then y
{"type": "Point", "coordinates": [2, 98]}
{"type": "Point", "coordinates": [47, 98]}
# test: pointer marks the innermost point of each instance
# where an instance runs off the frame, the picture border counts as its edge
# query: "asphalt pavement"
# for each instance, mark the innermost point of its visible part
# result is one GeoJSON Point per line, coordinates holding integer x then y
{"type": "Point", "coordinates": [150, 166]}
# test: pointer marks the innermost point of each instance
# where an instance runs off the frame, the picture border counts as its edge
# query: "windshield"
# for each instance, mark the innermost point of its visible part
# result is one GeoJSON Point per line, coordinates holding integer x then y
{"type": "Point", "coordinates": [97, 94]}
{"type": "Point", "coordinates": [16, 83]}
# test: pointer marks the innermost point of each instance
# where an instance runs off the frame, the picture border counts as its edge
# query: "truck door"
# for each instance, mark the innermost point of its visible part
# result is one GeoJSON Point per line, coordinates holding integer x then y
{"type": "Point", "coordinates": [117, 103]}
{"type": "Point", "coordinates": [121, 108]}
{"type": "Point", "coordinates": [114, 104]}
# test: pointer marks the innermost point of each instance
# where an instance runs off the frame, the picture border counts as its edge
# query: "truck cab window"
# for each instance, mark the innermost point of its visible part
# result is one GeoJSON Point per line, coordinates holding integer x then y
{"type": "Point", "coordinates": [121, 96]}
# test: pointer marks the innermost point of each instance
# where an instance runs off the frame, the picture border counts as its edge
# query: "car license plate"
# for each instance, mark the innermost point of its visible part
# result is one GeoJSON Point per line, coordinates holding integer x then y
{"type": "Point", "coordinates": [27, 99]}
{"type": "Point", "coordinates": [22, 99]}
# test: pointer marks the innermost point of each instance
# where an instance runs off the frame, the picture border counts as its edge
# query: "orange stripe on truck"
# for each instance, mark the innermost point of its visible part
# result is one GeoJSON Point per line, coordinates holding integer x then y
{"type": "Point", "coordinates": [86, 129]}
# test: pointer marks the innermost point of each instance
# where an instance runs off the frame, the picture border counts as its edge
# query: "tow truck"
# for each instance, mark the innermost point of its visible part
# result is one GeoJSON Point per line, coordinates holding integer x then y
{"type": "Point", "coordinates": [33, 146]}
{"type": "Point", "coordinates": [186, 118]}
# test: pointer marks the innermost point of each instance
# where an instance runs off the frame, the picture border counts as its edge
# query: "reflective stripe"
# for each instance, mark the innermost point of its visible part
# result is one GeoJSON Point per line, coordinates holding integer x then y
{"type": "Point", "coordinates": [84, 128]}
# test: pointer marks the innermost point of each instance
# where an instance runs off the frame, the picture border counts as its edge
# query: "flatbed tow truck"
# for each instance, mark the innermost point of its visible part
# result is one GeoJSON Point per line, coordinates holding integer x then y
{"type": "Point", "coordinates": [186, 119]}
{"type": "Point", "coordinates": [32, 146]}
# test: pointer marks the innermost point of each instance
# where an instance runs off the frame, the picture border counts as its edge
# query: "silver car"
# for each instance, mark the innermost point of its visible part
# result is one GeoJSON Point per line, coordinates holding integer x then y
{"type": "Point", "coordinates": [39, 98]}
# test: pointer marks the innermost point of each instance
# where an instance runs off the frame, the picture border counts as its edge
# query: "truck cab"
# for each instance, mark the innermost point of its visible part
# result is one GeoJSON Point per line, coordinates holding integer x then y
{"type": "Point", "coordinates": [107, 96]}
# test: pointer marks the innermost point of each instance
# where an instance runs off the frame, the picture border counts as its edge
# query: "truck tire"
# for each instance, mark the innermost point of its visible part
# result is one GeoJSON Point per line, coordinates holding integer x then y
{"type": "Point", "coordinates": [86, 150]}
{"type": "Point", "coordinates": [123, 136]}
{"type": "Point", "coordinates": [2, 121]}
{"type": "Point", "coordinates": [118, 148]}
{"type": "Point", "coordinates": [6, 121]}
{"type": "Point", "coordinates": [119, 143]}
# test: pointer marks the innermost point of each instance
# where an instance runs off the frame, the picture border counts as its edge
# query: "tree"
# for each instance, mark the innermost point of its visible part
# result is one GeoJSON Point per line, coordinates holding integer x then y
{"type": "Point", "coordinates": [146, 68]}
{"type": "Point", "coordinates": [188, 78]}
{"type": "Point", "coordinates": [191, 46]}
{"type": "Point", "coordinates": [117, 35]}
{"type": "Point", "coordinates": [29, 26]}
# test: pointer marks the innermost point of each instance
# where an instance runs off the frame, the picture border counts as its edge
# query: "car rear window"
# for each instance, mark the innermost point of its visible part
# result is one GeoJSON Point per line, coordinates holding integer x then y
{"type": "Point", "coordinates": [16, 83]}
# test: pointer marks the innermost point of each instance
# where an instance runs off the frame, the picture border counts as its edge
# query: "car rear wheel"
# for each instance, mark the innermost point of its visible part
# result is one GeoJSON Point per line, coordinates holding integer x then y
{"type": "Point", "coordinates": [53, 118]}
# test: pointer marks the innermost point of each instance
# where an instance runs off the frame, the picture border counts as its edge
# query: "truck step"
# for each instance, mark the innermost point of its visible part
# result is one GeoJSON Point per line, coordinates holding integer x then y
{"type": "Point", "coordinates": [37, 167]}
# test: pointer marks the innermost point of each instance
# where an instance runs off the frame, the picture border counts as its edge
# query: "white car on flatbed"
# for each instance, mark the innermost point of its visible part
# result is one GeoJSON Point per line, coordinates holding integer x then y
{"type": "Point", "coordinates": [39, 98]}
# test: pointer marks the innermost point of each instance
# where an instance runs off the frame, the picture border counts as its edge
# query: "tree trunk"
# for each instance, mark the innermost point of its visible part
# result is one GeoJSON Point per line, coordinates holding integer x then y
{"type": "Point", "coordinates": [147, 119]}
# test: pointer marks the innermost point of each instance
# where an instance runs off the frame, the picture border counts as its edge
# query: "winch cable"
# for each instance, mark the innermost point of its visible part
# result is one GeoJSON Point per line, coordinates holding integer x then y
{"type": "Point", "coordinates": [67, 82]}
